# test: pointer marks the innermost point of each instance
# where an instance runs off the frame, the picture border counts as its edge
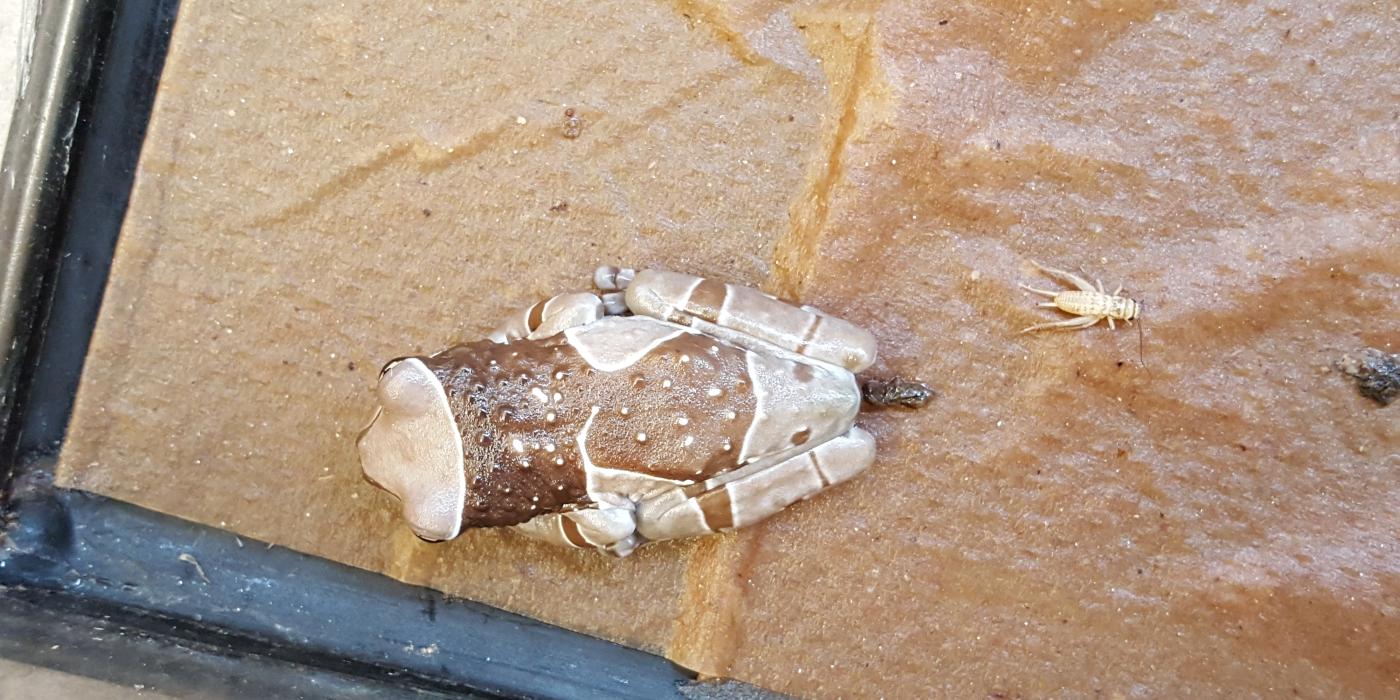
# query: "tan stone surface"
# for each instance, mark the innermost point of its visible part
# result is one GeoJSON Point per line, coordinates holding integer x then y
{"type": "Point", "coordinates": [333, 184]}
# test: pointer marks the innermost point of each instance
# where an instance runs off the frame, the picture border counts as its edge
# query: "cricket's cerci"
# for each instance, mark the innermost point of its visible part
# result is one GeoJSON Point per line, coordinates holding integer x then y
{"type": "Point", "coordinates": [666, 406]}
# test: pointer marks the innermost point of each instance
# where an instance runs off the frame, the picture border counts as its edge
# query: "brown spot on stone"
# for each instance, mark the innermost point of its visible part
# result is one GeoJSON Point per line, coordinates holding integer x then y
{"type": "Point", "coordinates": [707, 299]}
{"type": "Point", "coordinates": [718, 509]}
{"type": "Point", "coordinates": [801, 437]}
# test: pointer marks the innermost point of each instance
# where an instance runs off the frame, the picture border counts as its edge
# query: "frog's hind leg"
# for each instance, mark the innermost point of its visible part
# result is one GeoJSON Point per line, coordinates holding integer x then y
{"type": "Point", "coordinates": [754, 492]}
{"type": "Point", "coordinates": [550, 317]}
{"type": "Point", "coordinates": [741, 314]}
{"type": "Point", "coordinates": [608, 530]}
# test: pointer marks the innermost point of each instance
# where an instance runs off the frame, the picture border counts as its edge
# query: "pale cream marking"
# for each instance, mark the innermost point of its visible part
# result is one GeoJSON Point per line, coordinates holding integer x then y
{"type": "Point", "coordinates": [546, 528]}
{"type": "Point", "coordinates": [826, 406]}
{"type": "Point", "coordinates": [682, 421]}
{"type": "Point", "coordinates": [566, 311]}
{"type": "Point", "coordinates": [773, 489]}
{"type": "Point", "coordinates": [549, 417]}
{"type": "Point", "coordinates": [433, 485]}
{"type": "Point", "coordinates": [670, 515]}
{"type": "Point", "coordinates": [539, 394]}
{"type": "Point", "coordinates": [714, 391]}
{"type": "Point", "coordinates": [549, 447]}
{"type": "Point", "coordinates": [641, 437]}
{"type": "Point", "coordinates": [604, 527]}
{"type": "Point", "coordinates": [517, 445]}
{"type": "Point", "coordinates": [688, 441]}
{"type": "Point", "coordinates": [685, 358]}
{"type": "Point", "coordinates": [846, 456]}
{"type": "Point", "coordinates": [617, 342]}
{"type": "Point", "coordinates": [665, 384]}
{"type": "Point", "coordinates": [760, 400]}
{"type": "Point", "coordinates": [624, 410]}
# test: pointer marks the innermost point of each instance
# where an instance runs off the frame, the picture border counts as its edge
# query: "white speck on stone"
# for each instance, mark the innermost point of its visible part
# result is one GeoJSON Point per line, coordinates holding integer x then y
{"type": "Point", "coordinates": [665, 384]}
{"type": "Point", "coordinates": [682, 421]}
{"type": "Point", "coordinates": [714, 391]}
{"type": "Point", "coordinates": [517, 445]}
{"type": "Point", "coordinates": [538, 393]}
{"type": "Point", "coordinates": [688, 441]}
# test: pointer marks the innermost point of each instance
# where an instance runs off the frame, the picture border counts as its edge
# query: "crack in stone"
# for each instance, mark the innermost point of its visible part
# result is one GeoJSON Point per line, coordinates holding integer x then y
{"type": "Point", "coordinates": [795, 255]}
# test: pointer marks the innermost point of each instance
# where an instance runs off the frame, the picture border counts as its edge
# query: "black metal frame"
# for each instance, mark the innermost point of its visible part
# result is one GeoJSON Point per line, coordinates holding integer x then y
{"type": "Point", "coordinates": [114, 591]}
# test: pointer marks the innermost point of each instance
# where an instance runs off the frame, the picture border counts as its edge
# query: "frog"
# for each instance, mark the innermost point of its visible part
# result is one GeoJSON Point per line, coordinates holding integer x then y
{"type": "Point", "coordinates": [658, 406]}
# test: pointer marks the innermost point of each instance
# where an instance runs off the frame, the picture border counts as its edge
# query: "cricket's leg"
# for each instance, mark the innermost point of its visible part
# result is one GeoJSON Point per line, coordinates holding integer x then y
{"type": "Point", "coordinates": [738, 314]}
{"type": "Point", "coordinates": [550, 317]}
{"type": "Point", "coordinates": [1070, 324]}
{"type": "Point", "coordinates": [750, 494]}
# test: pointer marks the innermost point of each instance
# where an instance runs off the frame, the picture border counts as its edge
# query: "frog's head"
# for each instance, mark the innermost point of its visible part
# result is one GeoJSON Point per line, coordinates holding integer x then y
{"type": "Point", "coordinates": [412, 448]}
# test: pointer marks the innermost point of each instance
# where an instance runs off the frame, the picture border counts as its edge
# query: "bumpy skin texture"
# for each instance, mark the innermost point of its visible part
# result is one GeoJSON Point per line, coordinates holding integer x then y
{"type": "Point", "coordinates": [537, 394]}
{"type": "Point", "coordinates": [712, 408]}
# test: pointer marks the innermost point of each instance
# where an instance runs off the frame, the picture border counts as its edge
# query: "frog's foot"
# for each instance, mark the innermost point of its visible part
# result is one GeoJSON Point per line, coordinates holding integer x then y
{"type": "Point", "coordinates": [609, 530]}
{"type": "Point", "coordinates": [613, 283]}
{"type": "Point", "coordinates": [550, 317]}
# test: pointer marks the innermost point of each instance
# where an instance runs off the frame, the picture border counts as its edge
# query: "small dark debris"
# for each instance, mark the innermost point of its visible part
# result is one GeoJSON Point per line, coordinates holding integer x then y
{"type": "Point", "coordinates": [1377, 374]}
{"type": "Point", "coordinates": [1241, 447]}
{"type": "Point", "coordinates": [896, 392]}
{"type": "Point", "coordinates": [792, 117]}
{"type": "Point", "coordinates": [573, 125]}
{"type": "Point", "coordinates": [942, 22]}
{"type": "Point", "coordinates": [559, 208]}
{"type": "Point", "coordinates": [427, 213]}
{"type": "Point", "coordinates": [1120, 363]}
{"type": "Point", "coordinates": [350, 366]}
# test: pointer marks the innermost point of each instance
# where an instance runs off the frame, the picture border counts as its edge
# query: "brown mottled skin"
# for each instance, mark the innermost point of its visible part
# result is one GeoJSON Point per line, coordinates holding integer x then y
{"type": "Point", "coordinates": [504, 395]}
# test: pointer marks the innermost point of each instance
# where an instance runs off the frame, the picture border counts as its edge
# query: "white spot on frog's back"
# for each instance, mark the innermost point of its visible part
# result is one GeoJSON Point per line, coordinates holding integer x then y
{"type": "Point", "coordinates": [615, 343]}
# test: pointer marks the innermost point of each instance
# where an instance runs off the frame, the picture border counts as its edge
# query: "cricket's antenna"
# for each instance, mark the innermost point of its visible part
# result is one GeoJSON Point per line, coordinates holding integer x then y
{"type": "Point", "coordinates": [1140, 341]}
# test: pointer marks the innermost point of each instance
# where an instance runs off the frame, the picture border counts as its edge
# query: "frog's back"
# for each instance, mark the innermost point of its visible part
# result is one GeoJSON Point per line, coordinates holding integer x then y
{"type": "Point", "coordinates": [643, 396]}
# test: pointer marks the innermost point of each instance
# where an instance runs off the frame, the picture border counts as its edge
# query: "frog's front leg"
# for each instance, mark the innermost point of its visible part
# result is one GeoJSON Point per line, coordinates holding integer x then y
{"type": "Point", "coordinates": [740, 314]}
{"type": "Point", "coordinates": [752, 493]}
{"type": "Point", "coordinates": [550, 317]}
{"type": "Point", "coordinates": [611, 530]}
